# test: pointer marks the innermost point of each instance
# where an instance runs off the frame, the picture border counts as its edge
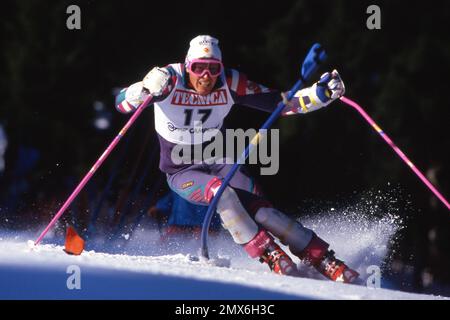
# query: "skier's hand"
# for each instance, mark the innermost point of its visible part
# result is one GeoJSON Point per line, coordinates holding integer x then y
{"type": "Point", "coordinates": [329, 88]}
{"type": "Point", "coordinates": [156, 81]}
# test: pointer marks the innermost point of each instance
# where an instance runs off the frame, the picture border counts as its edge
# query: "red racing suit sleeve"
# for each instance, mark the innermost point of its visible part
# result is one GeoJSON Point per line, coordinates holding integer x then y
{"type": "Point", "coordinates": [251, 94]}
{"type": "Point", "coordinates": [248, 93]}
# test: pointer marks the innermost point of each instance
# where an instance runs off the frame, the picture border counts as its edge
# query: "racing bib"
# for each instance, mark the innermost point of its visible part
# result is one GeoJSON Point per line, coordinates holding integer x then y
{"type": "Point", "coordinates": [186, 117]}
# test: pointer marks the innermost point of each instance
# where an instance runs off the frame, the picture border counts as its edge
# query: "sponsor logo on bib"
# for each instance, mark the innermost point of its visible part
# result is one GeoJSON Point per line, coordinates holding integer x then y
{"type": "Point", "coordinates": [187, 98]}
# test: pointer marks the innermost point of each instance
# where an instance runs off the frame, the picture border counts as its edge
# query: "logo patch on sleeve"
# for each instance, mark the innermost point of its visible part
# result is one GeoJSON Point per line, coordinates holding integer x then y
{"type": "Point", "coordinates": [187, 184]}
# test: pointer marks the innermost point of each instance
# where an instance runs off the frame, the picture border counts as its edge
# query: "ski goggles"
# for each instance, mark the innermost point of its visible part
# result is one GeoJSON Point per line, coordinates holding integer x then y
{"type": "Point", "coordinates": [201, 66]}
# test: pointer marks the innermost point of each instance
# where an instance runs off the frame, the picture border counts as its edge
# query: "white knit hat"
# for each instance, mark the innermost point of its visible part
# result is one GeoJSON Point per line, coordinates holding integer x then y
{"type": "Point", "coordinates": [204, 47]}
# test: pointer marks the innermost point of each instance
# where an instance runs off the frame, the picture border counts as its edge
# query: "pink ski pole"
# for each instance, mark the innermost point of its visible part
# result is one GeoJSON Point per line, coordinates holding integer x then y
{"type": "Point", "coordinates": [396, 149]}
{"type": "Point", "coordinates": [97, 164]}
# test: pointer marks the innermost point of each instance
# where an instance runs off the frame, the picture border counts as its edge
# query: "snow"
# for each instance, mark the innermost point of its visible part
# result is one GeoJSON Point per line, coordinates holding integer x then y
{"type": "Point", "coordinates": [41, 273]}
{"type": "Point", "coordinates": [138, 267]}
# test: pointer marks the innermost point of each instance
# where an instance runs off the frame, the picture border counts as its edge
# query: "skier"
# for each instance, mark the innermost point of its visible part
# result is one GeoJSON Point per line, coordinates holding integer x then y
{"type": "Point", "coordinates": [201, 89]}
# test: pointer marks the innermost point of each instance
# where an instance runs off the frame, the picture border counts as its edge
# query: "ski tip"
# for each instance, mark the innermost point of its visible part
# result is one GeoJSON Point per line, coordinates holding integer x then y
{"type": "Point", "coordinates": [74, 244]}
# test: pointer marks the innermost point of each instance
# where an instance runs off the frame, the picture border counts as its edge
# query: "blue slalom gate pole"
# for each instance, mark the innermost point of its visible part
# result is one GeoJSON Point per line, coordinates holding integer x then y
{"type": "Point", "coordinates": [316, 55]}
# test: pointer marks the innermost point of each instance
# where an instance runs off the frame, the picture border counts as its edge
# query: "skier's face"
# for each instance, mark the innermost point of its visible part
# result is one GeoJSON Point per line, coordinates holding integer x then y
{"type": "Point", "coordinates": [203, 84]}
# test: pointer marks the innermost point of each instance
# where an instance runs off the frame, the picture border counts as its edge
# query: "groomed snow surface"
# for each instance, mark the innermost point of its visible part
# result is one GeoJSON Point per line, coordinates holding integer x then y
{"type": "Point", "coordinates": [141, 270]}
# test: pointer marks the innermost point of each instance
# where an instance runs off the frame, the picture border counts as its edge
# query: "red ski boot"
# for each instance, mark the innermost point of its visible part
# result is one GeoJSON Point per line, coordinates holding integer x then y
{"type": "Point", "coordinates": [318, 255]}
{"type": "Point", "coordinates": [264, 247]}
{"type": "Point", "coordinates": [336, 270]}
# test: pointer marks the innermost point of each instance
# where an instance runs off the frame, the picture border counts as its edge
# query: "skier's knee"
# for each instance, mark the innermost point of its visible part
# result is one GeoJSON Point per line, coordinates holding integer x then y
{"type": "Point", "coordinates": [235, 217]}
{"type": "Point", "coordinates": [289, 231]}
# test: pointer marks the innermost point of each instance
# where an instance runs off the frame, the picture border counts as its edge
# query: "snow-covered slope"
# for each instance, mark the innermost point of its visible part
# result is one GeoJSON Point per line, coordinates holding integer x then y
{"type": "Point", "coordinates": [43, 273]}
{"type": "Point", "coordinates": [139, 267]}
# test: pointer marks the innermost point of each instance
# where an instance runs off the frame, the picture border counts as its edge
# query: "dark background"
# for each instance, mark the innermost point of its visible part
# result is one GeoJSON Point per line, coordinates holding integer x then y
{"type": "Point", "coordinates": [55, 82]}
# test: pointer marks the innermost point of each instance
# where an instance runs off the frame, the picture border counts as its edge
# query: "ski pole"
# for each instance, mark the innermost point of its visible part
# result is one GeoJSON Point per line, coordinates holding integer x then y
{"type": "Point", "coordinates": [106, 191]}
{"type": "Point", "coordinates": [315, 56]}
{"type": "Point", "coordinates": [94, 168]}
{"type": "Point", "coordinates": [396, 149]}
